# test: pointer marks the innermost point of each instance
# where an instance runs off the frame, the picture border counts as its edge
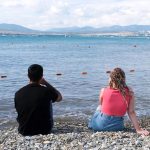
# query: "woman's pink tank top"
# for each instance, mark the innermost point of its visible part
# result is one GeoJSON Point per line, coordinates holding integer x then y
{"type": "Point", "coordinates": [114, 103]}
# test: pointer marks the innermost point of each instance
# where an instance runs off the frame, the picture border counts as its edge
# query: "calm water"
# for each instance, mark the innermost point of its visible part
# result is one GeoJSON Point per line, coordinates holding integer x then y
{"type": "Point", "coordinates": [71, 56]}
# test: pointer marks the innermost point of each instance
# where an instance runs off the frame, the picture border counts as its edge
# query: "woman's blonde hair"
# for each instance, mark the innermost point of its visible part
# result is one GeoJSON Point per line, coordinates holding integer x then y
{"type": "Point", "coordinates": [117, 79]}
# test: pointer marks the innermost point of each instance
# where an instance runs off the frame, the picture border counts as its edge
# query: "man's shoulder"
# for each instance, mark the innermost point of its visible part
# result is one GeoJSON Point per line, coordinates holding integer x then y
{"type": "Point", "coordinates": [28, 86]}
{"type": "Point", "coordinates": [22, 89]}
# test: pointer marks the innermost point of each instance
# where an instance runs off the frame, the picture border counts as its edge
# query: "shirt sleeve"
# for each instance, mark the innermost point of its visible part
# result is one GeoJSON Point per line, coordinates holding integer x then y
{"type": "Point", "coordinates": [52, 93]}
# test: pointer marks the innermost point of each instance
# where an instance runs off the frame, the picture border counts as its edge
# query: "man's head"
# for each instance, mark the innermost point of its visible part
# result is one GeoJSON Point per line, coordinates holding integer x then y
{"type": "Point", "coordinates": [35, 72]}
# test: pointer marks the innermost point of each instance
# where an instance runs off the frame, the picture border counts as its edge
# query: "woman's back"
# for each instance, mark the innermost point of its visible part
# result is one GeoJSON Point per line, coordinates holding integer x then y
{"type": "Point", "coordinates": [114, 103]}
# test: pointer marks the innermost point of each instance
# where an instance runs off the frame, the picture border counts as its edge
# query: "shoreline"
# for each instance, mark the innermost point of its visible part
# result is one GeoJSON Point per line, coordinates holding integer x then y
{"type": "Point", "coordinates": [70, 133]}
{"type": "Point", "coordinates": [6, 124]}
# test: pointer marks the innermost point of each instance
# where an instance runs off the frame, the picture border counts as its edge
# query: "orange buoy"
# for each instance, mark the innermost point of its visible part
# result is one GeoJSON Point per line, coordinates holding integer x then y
{"type": "Point", "coordinates": [108, 71]}
{"type": "Point", "coordinates": [132, 70]}
{"type": "Point", "coordinates": [84, 73]}
{"type": "Point", "coordinates": [58, 74]}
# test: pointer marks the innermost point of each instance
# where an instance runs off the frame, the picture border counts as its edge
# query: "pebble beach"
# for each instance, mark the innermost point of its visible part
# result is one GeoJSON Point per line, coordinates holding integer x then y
{"type": "Point", "coordinates": [73, 134]}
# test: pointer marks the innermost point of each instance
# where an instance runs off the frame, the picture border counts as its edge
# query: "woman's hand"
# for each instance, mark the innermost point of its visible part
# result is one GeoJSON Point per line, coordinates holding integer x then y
{"type": "Point", "coordinates": [142, 132]}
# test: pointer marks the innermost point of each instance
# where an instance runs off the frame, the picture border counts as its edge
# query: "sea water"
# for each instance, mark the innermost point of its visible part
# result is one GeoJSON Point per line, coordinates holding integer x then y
{"type": "Point", "coordinates": [71, 56]}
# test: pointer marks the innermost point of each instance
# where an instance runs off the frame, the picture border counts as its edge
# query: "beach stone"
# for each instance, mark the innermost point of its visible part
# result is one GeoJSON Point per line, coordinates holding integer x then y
{"type": "Point", "coordinates": [113, 143]}
{"type": "Point", "coordinates": [27, 138]}
{"type": "Point", "coordinates": [37, 145]}
{"type": "Point", "coordinates": [97, 148]}
{"type": "Point", "coordinates": [104, 145]}
{"type": "Point", "coordinates": [82, 140]}
{"type": "Point", "coordinates": [123, 149]}
{"type": "Point", "coordinates": [45, 147]}
{"type": "Point", "coordinates": [46, 142]}
{"type": "Point", "coordinates": [138, 143]}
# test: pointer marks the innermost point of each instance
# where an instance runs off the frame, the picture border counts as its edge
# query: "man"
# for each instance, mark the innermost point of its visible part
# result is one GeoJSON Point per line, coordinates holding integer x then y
{"type": "Point", "coordinates": [33, 104]}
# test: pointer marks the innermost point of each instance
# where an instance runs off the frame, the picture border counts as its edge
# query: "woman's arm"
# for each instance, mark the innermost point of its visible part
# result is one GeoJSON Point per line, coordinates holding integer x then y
{"type": "Point", "coordinates": [133, 117]}
{"type": "Point", "coordinates": [101, 96]}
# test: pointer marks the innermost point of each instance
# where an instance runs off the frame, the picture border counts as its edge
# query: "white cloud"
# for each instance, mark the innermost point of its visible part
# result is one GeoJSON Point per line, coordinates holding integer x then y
{"type": "Point", "coordinates": [45, 14]}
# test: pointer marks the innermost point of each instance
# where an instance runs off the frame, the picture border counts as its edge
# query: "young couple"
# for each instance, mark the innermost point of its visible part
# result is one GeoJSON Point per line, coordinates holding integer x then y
{"type": "Point", "coordinates": [33, 104]}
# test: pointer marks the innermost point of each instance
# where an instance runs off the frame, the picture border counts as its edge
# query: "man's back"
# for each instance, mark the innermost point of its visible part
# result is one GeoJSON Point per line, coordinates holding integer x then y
{"type": "Point", "coordinates": [34, 107]}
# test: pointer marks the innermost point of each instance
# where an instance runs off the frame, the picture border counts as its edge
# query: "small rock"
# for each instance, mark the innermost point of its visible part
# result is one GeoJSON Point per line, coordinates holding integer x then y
{"type": "Point", "coordinates": [138, 143]}
{"type": "Point", "coordinates": [46, 142]}
{"type": "Point", "coordinates": [104, 145]}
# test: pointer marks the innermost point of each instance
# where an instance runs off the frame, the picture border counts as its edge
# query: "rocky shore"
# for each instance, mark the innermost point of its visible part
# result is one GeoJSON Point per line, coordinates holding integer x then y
{"type": "Point", "coordinates": [73, 134]}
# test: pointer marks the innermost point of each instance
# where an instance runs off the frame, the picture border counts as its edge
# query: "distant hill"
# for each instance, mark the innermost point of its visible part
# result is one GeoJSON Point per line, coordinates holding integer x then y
{"type": "Point", "coordinates": [73, 29]}
{"type": "Point", "coordinates": [17, 29]}
{"type": "Point", "coordinates": [11, 28]}
{"type": "Point", "coordinates": [130, 28]}
{"type": "Point", "coordinates": [116, 28]}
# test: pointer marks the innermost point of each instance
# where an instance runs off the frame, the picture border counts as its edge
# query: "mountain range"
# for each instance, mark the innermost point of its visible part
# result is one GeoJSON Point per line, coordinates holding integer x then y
{"type": "Point", "coordinates": [13, 28]}
{"type": "Point", "coordinates": [112, 29]}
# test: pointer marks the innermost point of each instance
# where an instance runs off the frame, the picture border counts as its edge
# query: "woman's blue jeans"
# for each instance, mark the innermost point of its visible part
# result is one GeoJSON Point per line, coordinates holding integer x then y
{"type": "Point", "coordinates": [103, 122]}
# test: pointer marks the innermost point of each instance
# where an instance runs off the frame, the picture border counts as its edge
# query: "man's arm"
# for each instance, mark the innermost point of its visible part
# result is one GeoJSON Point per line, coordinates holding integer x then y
{"type": "Point", "coordinates": [44, 82]}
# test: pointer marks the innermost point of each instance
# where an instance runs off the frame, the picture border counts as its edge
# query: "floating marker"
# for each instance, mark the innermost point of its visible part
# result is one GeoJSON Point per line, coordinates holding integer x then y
{"type": "Point", "coordinates": [84, 73]}
{"type": "Point", "coordinates": [58, 74]}
{"type": "Point", "coordinates": [132, 70]}
{"type": "Point", "coordinates": [108, 71]}
{"type": "Point", "coordinates": [3, 76]}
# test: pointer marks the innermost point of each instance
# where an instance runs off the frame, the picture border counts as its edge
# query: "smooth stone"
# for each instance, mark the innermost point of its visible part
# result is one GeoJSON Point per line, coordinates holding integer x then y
{"type": "Point", "coordinates": [104, 146]}
{"type": "Point", "coordinates": [138, 143]}
{"type": "Point", "coordinates": [46, 142]}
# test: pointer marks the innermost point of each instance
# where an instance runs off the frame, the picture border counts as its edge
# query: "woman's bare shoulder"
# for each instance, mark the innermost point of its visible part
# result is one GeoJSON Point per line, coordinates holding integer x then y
{"type": "Point", "coordinates": [102, 90]}
{"type": "Point", "coordinates": [130, 89]}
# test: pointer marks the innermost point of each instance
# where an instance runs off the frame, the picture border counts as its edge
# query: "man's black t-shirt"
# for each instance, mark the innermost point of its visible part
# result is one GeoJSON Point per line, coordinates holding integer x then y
{"type": "Point", "coordinates": [33, 104]}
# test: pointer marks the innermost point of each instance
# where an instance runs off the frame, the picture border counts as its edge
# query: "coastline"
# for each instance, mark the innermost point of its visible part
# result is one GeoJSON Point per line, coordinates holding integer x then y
{"type": "Point", "coordinates": [72, 133]}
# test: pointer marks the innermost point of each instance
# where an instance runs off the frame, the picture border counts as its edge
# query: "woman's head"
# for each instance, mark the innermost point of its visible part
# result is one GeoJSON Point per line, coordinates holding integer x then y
{"type": "Point", "coordinates": [117, 80]}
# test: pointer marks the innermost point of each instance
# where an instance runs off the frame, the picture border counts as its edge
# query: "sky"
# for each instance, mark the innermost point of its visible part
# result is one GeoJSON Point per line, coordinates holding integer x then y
{"type": "Point", "coordinates": [47, 14]}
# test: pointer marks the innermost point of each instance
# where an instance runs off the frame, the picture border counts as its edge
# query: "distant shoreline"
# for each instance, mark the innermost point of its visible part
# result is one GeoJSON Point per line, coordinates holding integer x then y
{"type": "Point", "coordinates": [3, 33]}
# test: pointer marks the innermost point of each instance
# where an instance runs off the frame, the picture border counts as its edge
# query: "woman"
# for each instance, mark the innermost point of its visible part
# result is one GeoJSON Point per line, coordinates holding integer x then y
{"type": "Point", "coordinates": [115, 101]}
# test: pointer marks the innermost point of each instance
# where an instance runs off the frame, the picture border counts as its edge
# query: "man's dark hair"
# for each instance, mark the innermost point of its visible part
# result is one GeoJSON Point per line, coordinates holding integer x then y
{"type": "Point", "coordinates": [35, 72]}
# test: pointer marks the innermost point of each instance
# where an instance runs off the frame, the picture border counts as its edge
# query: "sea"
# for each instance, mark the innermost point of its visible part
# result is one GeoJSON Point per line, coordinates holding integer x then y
{"type": "Point", "coordinates": [77, 66]}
